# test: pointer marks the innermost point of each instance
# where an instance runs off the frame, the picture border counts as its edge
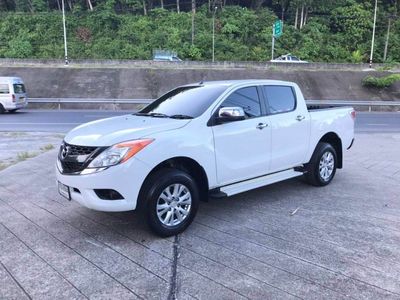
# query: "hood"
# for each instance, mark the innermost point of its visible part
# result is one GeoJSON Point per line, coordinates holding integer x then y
{"type": "Point", "coordinates": [110, 131]}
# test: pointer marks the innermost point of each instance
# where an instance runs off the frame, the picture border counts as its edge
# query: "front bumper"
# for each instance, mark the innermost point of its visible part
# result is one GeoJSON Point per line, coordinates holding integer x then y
{"type": "Point", "coordinates": [126, 178]}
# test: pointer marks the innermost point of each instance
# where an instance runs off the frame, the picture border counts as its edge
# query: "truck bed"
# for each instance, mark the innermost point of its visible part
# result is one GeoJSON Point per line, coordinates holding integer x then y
{"type": "Point", "coordinates": [311, 107]}
{"type": "Point", "coordinates": [332, 119]}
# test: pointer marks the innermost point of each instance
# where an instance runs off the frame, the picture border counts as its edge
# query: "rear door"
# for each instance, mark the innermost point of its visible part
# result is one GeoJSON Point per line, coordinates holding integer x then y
{"type": "Point", "coordinates": [19, 91]}
{"type": "Point", "coordinates": [290, 126]}
{"type": "Point", "coordinates": [242, 148]}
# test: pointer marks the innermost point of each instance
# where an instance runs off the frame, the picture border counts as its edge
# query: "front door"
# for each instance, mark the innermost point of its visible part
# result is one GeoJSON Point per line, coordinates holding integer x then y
{"type": "Point", "coordinates": [242, 148]}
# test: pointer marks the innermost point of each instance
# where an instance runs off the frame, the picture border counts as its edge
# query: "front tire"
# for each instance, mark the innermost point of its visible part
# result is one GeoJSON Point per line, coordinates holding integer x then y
{"type": "Point", "coordinates": [2, 110]}
{"type": "Point", "coordinates": [322, 167]}
{"type": "Point", "coordinates": [171, 200]}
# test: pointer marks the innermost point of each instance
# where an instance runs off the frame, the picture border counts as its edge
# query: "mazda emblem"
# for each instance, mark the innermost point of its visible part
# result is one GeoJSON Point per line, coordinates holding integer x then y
{"type": "Point", "coordinates": [65, 151]}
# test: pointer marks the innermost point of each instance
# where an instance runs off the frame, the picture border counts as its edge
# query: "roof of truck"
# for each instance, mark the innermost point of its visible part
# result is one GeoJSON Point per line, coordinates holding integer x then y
{"type": "Point", "coordinates": [242, 81]}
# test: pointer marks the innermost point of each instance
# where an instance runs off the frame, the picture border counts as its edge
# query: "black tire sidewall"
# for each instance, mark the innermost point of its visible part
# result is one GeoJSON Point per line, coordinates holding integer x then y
{"type": "Point", "coordinates": [157, 183]}
{"type": "Point", "coordinates": [323, 148]}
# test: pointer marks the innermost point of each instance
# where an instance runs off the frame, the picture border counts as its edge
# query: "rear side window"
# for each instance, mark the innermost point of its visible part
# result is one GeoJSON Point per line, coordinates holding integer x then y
{"type": "Point", "coordinates": [280, 99]}
{"type": "Point", "coordinates": [4, 89]}
{"type": "Point", "coordinates": [19, 88]}
{"type": "Point", "coordinates": [247, 98]}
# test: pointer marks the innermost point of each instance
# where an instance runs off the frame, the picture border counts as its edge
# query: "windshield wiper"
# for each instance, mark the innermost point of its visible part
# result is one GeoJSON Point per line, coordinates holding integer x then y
{"type": "Point", "coordinates": [155, 115]}
{"type": "Point", "coordinates": [181, 117]}
{"type": "Point", "coordinates": [160, 115]}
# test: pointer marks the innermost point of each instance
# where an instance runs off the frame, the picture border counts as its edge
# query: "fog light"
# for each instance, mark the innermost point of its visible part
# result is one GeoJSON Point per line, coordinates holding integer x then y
{"type": "Point", "coordinates": [108, 194]}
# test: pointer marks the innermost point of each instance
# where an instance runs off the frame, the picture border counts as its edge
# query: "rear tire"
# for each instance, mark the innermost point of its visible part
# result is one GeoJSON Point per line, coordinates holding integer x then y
{"type": "Point", "coordinates": [322, 167]}
{"type": "Point", "coordinates": [2, 110]}
{"type": "Point", "coordinates": [171, 199]}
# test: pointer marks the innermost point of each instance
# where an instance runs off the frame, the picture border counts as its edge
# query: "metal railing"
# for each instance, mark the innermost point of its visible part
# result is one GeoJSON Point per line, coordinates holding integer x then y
{"type": "Point", "coordinates": [114, 102]}
{"type": "Point", "coordinates": [369, 103]}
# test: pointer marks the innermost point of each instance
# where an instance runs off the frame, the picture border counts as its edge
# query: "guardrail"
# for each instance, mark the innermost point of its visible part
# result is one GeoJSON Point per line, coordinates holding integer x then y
{"type": "Point", "coordinates": [114, 102]}
{"type": "Point", "coordinates": [368, 103]}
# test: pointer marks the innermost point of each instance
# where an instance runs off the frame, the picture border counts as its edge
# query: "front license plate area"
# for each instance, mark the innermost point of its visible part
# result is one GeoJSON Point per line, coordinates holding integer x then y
{"type": "Point", "coordinates": [64, 191]}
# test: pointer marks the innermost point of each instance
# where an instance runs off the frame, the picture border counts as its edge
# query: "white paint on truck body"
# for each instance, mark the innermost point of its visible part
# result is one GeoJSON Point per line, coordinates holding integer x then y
{"type": "Point", "coordinates": [229, 153]}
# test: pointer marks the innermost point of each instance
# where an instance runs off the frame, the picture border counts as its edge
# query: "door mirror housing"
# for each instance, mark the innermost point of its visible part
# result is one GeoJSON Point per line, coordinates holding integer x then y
{"type": "Point", "coordinates": [229, 114]}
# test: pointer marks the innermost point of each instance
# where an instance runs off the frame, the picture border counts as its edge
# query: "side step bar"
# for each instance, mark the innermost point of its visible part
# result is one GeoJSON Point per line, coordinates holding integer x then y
{"type": "Point", "coordinates": [250, 184]}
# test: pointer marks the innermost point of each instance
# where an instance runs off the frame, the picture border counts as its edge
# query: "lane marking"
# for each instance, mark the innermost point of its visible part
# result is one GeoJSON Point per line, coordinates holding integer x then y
{"type": "Point", "coordinates": [377, 124]}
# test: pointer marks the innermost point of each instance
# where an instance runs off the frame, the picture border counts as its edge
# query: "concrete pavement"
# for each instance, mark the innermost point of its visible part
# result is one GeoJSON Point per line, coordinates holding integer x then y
{"type": "Point", "coordinates": [19, 146]}
{"type": "Point", "coordinates": [285, 241]}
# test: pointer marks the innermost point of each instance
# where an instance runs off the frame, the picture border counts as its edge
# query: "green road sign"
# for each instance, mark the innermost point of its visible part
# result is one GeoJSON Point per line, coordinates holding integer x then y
{"type": "Point", "coordinates": [278, 26]}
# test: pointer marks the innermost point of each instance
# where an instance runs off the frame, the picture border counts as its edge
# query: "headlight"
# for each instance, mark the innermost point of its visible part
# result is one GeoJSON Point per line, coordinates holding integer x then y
{"type": "Point", "coordinates": [118, 153]}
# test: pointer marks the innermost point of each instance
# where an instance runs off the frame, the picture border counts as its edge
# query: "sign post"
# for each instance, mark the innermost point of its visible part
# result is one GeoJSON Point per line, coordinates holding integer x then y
{"type": "Point", "coordinates": [65, 34]}
{"type": "Point", "coordinates": [276, 33]}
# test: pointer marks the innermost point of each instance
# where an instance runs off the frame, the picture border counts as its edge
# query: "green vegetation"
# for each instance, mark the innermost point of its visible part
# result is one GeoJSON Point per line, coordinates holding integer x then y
{"type": "Point", "coordinates": [389, 66]}
{"type": "Point", "coordinates": [47, 147]}
{"type": "Point", "coordinates": [21, 156]}
{"type": "Point", "coordinates": [314, 30]}
{"type": "Point", "coordinates": [380, 82]}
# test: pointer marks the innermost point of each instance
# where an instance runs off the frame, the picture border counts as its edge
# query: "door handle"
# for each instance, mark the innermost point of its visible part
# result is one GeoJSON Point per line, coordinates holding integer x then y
{"type": "Point", "coordinates": [300, 118]}
{"type": "Point", "coordinates": [261, 125]}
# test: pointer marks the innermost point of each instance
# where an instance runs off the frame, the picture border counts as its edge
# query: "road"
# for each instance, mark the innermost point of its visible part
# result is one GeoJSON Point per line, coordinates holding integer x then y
{"type": "Point", "coordinates": [63, 120]}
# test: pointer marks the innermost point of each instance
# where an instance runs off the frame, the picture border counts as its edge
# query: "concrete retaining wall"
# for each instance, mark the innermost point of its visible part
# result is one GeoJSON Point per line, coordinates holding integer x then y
{"type": "Point", "coordinates": [43, 81]}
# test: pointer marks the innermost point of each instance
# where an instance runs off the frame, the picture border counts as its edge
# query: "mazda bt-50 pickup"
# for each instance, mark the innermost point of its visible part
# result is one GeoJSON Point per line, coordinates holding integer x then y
{"type": "Point", "coordinates": [202, 140]}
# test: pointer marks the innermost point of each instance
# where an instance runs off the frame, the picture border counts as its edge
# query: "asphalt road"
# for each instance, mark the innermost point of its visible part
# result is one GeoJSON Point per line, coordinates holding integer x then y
{"type": "Point", "coordinates": [63, 120]}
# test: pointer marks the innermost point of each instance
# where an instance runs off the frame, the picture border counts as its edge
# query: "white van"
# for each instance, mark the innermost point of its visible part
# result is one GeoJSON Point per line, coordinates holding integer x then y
{"type": "Point", "coordinates": [12, 94]}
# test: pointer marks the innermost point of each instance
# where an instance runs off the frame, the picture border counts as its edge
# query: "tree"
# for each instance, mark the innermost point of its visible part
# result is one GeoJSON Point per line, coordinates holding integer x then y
{"type": "Point", "coordinates": [353, 22]}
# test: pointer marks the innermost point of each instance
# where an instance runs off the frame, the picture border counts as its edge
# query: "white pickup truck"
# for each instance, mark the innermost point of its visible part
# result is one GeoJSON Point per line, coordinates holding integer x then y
{"type": "Point", "coordinates": [202, 140]}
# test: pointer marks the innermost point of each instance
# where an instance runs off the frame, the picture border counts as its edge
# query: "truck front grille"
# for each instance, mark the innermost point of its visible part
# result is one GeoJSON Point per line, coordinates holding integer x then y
{"type": "Point", "coordinates": [80, 150]}
{"type": "Point", "coordinates": [75, 158]}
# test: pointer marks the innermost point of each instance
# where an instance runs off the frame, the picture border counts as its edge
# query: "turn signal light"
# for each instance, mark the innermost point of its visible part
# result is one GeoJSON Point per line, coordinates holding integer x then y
{"type": "Point", "coordinates": [134, 147]}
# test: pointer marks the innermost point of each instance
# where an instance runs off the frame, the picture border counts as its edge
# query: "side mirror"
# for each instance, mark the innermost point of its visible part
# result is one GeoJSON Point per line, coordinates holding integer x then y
{"type": "Point", "coordinates": [229, 114]}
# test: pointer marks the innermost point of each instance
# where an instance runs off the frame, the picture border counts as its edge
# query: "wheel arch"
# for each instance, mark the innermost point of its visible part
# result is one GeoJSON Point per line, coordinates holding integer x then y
{"type": "Point", "coordinates": [185, 164]}
{"type": "Point", "coordinates": [334, 140]}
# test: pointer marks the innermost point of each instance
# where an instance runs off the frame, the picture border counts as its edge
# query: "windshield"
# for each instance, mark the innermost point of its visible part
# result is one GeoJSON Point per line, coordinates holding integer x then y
{"type": "Point", "coordinates": [190, 101]}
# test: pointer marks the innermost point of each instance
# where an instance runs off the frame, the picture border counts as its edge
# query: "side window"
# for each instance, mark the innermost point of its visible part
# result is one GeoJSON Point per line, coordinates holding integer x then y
{"type": "Point", "coordinates": [247, 98]}
{"type": "Point", "coordinates": [4, 89]}
{"type": "Point", "coordinates": [280, 99]}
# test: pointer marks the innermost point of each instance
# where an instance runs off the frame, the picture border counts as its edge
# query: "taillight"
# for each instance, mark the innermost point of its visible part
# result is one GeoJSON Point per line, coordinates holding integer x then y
{"type": "Point", "coordinates": [353, 114]}
{"type": "Point", "coordinates": [13, 98]}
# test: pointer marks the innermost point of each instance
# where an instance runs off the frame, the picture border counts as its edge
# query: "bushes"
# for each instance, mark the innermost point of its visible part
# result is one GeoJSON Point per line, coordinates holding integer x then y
{"type": "Point", "coordinates": [240, 34]}
{"type": "Point", "coordinates": [380, 82]}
